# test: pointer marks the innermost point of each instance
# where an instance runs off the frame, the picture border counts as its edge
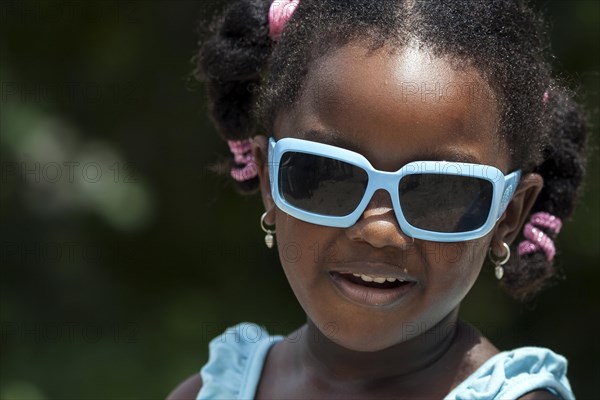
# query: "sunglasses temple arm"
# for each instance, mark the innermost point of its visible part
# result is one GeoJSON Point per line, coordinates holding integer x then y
{"type": "Point", "coordinates": [511, 182]}
{"type": "Point", "coordinates": [270, 156]}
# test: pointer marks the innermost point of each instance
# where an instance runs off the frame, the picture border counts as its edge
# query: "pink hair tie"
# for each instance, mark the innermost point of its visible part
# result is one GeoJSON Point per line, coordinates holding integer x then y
{"type": "Point", "coordinates": [546, 96]}
{"type": "Point", "coordinates": [242, 154]}
{"type": "Point", "coordinates": [279, 14]}
{"type": "Point", "coordinates": [536, 239]}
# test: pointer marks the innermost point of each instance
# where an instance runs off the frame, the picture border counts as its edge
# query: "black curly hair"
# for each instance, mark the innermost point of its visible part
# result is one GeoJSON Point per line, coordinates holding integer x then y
{"type": "Point", "coordinates": [250, 79]}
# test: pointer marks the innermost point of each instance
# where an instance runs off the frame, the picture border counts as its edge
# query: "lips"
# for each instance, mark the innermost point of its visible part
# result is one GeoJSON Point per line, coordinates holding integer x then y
{"type": "Point", "coordinates": [372, 294]}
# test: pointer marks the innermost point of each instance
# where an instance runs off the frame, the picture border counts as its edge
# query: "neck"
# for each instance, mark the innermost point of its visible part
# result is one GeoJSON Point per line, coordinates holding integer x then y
{"type": "Point", "coordinates": [329, 362]}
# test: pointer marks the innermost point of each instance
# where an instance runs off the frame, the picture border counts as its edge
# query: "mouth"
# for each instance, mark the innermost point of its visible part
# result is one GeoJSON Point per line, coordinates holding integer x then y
{"type": "Point", "coordinates": [371, 290]}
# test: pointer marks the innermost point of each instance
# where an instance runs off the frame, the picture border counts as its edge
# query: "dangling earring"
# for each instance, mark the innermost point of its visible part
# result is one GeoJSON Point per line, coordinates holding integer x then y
{"type": "Point", "coordinates": [499, 271]}
{"type": "Point", "coordinates": [269, 235]}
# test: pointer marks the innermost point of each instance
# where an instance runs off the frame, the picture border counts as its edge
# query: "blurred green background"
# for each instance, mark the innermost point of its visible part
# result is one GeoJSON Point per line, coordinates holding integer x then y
{"type": "Point", "coordinates": [122, 255]}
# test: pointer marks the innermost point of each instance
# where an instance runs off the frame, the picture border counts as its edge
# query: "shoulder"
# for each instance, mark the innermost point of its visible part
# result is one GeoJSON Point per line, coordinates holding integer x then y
{"type": "Point", "coordinates": [235, 361]}
{"type": "Point", "coordinates": [188, 389]}
{"type": "Point", "coordinates": [528, 373]}
{"type": "Point", "coordinates": [236, 344]}
{"type": "Point", "coordinates": [227, 351]}
{"type": "Point", "coordinates": [539, 395]}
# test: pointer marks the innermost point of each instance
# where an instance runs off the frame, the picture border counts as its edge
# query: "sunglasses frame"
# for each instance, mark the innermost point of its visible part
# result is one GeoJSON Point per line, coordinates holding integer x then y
{"type": "Point", "coordinates": [503, 187]}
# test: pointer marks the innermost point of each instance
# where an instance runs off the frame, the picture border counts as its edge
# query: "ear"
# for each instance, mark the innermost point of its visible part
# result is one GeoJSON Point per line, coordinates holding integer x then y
{"type": "Point", "coordinates": [509, 225]}
{"type": "Point", "coordinates": [259, 151]}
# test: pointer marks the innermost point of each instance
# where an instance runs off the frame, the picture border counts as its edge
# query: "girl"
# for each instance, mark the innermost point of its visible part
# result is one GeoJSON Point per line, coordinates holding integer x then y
{"type": "Point", "coordinates": [409, 141]}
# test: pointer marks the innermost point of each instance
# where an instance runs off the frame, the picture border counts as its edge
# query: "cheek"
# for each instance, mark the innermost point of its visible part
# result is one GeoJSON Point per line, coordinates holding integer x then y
{"type": "Point", "coordinates": [306, 252]}
{"type": "Point", "coordinates": [297, 245]}
{"type": "Point", "coordinates": [454, 267]}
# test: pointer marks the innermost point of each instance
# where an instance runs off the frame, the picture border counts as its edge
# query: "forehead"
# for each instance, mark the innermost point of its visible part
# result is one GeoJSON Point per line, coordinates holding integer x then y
{"type": "Point", "coordinates": [395, 107]}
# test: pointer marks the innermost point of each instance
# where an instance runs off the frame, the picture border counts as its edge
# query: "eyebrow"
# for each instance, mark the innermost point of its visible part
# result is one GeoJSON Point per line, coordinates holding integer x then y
{"type": "Point", "coordinates": [329, 136]}
{"type": "Point", "coordinates": [335, 138]}
{"type": "Point", "coordinates": [451, 154]}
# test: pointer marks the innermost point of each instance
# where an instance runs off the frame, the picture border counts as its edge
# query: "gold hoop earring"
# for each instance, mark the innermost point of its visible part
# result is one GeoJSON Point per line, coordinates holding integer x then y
{"type": "Point", "coordinates": [269, 235]}
{"type": "Point", "coordinates": [499, 262]}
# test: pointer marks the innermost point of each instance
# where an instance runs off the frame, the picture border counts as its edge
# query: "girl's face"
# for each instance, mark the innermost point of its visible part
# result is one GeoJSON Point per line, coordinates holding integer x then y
{"type": "Point", "coordinates": [393, 108]}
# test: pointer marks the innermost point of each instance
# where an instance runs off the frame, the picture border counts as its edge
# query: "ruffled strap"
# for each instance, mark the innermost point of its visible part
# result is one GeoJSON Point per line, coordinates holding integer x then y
{"type": "Point", "coordinates": [235, 362]}
{"type": "Point", "coordinates": [512, 374]}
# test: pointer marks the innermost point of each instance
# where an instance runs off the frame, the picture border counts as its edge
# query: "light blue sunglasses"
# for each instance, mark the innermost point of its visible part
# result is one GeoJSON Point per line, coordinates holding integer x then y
{"type": "Point", "coordinates": [433, 200]}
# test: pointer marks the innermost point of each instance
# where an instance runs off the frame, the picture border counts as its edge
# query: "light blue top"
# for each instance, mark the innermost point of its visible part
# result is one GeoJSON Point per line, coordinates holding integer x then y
{"type": "Point", "coordinates": [236, 359]}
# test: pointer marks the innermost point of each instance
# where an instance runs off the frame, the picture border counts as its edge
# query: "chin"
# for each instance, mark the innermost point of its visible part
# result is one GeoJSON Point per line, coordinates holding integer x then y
{"type": "Point", "coordinates": [366, 338]}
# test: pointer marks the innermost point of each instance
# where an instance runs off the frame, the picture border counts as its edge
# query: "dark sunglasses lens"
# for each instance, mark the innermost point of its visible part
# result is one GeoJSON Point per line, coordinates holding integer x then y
{"type": "Point", "coordinates": [445, 203]}
{"type": "Point", "coordinates": [321, 185]}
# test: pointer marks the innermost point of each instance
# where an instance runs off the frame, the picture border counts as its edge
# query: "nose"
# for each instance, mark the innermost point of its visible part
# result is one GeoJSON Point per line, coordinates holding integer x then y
{"type": "Point", "coordinates": [378, 224]}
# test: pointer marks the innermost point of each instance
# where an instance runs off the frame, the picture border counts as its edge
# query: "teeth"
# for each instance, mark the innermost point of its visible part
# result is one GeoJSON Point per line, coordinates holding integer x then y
{"type": "Point", "coordinates": [368, 278]}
